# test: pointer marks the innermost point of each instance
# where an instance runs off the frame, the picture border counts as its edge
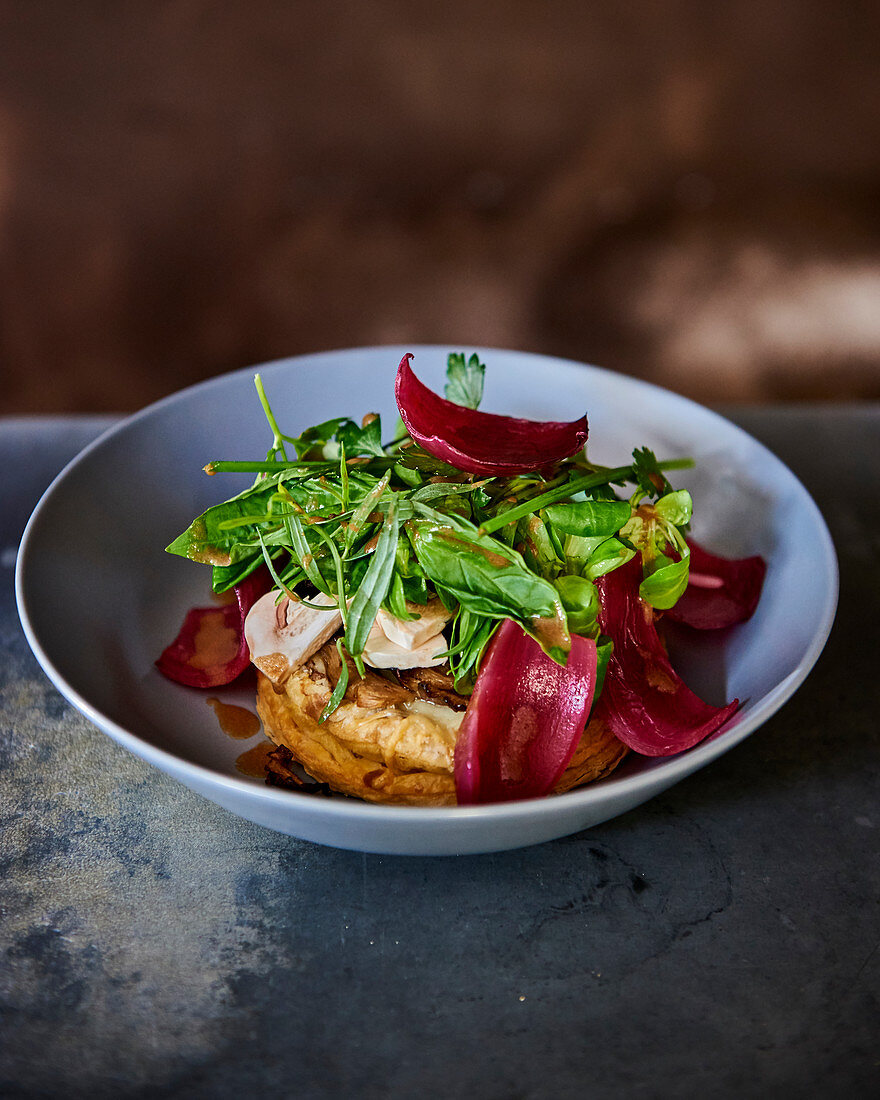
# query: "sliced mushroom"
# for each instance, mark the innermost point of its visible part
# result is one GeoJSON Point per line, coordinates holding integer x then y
{"type": "Point", "coordinates": [414, 633]}
{"type": "Point", "coordinates": [381, 652]}
{"type": "Point", "coordinates": [283, 634]}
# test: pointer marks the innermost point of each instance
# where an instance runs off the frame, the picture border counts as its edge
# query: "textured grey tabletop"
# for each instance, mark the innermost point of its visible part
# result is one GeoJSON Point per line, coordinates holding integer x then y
{"type": "Point", "coordinates": [721, 940]}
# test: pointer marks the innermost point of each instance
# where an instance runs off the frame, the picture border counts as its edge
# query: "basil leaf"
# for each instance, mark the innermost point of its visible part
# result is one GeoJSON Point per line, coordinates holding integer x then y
{"type": "Point", "coordinates": [224, 577]}
{"type": "Point", "coordinates": [491, 579]}
{"type": "Point", "coordinates": [206, 540]}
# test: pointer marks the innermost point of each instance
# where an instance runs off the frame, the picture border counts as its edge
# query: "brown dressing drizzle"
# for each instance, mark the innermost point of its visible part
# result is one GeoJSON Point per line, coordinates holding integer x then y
{"type": "Point", "coordinates": [253, 761]}
{"type": "Point", "coordinates": [237, 722]}
{"type": "Point", "coordinates": [210, 555]}
{"type": "Point", "coordinates": [552, 631]}
{"type": "Point", "coordinates": [448, 535]}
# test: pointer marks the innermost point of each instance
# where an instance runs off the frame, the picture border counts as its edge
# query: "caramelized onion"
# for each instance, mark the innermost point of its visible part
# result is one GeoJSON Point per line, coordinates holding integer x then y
{"type": "Point", "coordinates": [479, 442]}
{"type": "Point", "coordinates": [524, 720]}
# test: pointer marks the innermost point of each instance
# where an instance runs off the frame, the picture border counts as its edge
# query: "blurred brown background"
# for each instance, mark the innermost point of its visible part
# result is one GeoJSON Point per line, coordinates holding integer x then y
{"type": "Point", "coordinates": [683, 190]}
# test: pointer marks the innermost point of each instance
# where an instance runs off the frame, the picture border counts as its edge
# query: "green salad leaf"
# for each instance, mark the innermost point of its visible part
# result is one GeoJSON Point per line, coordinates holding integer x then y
{"type": "Point", "coordinates": [491, 579]}
{"type": "Point", "coordinates": [375, 526]}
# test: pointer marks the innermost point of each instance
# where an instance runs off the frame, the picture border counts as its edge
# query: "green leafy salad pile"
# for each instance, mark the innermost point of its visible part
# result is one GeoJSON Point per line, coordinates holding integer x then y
{"type": "Point", "coordinates": [384, 524]}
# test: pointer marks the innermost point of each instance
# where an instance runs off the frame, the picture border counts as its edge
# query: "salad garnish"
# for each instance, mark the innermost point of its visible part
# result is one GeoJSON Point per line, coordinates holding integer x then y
{"type": "Point", "coordinates": [479, 442]}
{"type": "Point", "coordinates": [549, 573]}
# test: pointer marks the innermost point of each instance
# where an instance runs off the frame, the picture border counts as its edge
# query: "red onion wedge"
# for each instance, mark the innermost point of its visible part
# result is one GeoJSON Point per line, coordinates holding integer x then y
{"type": "Point", "coordinates": [644, 701]}
{"type": "Point", "coordinates": [479, 442]}
{"type": "Point", "coordinates": [720, 591]}
{"type": "Point", "coordinates": [524, 720]}
{"type": "Point", "coordinates": [210, 649]}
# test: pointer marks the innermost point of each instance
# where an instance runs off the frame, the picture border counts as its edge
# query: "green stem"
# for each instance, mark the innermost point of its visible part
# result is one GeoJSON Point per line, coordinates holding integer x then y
{"type": "Point", "coordinates": [268, 467]}
{"type": "Point", "coordinates": [677, 464]}
{"type": "Point", "coordinates": [277, 438]}
{"type": "Point", "coordinates": [274, 467]}
{"type": "Point", "coordinates": [576, 485]}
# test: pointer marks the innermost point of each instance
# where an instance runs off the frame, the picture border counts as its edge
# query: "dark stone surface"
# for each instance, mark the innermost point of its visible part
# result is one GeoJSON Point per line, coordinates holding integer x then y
{"type": "Point", "coordinates": [720, 940]}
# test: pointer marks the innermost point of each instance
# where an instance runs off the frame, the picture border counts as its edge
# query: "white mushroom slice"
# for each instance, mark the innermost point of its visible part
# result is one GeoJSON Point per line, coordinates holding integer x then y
{"type": "Point", "coordinates": [282, 635]}
{"type": "Point", "coordinates": [412, 634]}
{"type": "Point", "coordinates": [381, 652]}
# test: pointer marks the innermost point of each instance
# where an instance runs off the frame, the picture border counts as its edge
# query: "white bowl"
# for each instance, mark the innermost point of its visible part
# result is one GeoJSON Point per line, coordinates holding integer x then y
{"type": "Point", "coordinates": [99, 599]}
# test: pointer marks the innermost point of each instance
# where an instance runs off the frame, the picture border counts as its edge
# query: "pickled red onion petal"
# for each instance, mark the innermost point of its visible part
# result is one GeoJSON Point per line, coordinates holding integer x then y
{"type": "Point", "coordinates": [644, 701]}
{"type": "Point", "coordinates": [210, 650]}
{"type": "Point", "coordinates": [479, 442]}
{"type": "Point", "coordinates": [720, 592]}
{"type": "Point", "coordinates": [524, 720]}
